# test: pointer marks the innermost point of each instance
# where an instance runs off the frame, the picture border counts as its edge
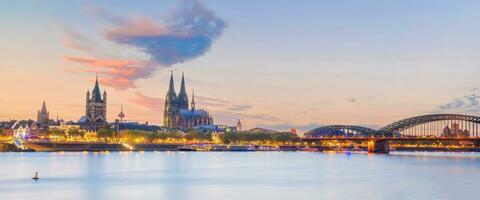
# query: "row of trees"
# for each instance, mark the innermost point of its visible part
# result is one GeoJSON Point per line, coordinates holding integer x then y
{"type": "Point", "coordinates": [108, 134]}
{"type": "Point", "coordinates": [61, 133]}
{"type": "Point", "coordinates": [248, 137]}
{"type": "Point", "coordinates": [138, 136]}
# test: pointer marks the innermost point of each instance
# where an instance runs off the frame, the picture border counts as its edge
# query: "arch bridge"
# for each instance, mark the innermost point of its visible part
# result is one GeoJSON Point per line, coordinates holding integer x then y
{"type": "Point", "coordinates": [433, 128]}
{"type": "Point", "coordinates": [341, 131]}
{"type": "Point", "coordinates": [434, 125]}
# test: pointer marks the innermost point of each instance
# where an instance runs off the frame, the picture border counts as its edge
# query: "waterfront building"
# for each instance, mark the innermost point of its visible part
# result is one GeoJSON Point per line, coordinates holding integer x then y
{"type": "Point", "coordinates": [216, 128]}
{"type": "Point", "coordinates": [65, 126]}
{"type": "Point", "coordinates": [43, 115]}
{"type": "Point", "coordinates": [24, 128]}
{"type": "Point", "coordinates": [95, 109]}
{"type": "Point", "coordinates": [177, 114]}
{"type": "Point", "coordinates": [455, 131]}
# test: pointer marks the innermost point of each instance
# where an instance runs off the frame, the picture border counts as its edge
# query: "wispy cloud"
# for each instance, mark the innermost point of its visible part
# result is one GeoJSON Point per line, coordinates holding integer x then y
{"type": "Point", "coordinates": [352, 100]}
{"type": "Point", "coordinates": [151, 103]}
{"type": "Point", "coordinates": [287, 126]}
{"type": "Point", "coordinates": [120, 74]}
{"type": "Point", "coordinates": [467, 104]}
{"type": "Point", "coordinates": [156, 103]}
{"type": "Point", "coordinates": [223, 104]}
{"type": "Point", "coordinates": [73, 39]}
{"type": "Point", "coordinates": [224, 111]}
{"type": "Point", "coordinates": [187, 33]}
{"type": "Point", "coordinates": [226, 116]}
{"type": "Point", "coordinates": [239, 107]}
{"type": "Point", "coordinates": [355, 99]}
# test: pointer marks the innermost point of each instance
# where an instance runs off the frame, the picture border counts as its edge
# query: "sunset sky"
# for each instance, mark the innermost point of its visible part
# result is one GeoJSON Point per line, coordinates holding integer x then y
{"type": "Point", "coordinates": [276, 64]}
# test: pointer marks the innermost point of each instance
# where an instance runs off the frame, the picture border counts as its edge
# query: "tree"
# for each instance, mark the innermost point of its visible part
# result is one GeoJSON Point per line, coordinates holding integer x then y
{"type": "Point", "coordinates": [262, 137]}
{"type": "Point", "coordinates": [56, 132]}
{"type": "Point", "coordinates": [194, 135]}
{"type": "Point", "coordinates": [105, 132]}
{"type": "Point", "coordinates": [75, 132]}
{"type": "Point", "coordinates": [134, 136]}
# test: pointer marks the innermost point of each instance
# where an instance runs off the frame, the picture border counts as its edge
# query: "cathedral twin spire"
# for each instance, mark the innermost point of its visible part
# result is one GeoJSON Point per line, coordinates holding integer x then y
{"type": "Point", "coordinates": [181, 100]}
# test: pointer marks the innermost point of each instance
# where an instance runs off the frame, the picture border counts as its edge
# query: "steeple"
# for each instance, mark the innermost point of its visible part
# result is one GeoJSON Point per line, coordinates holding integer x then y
{"type": "Point", "coordinates": [43, 115]}
{"type": "Point", "coordinates": [182, 85]}
{"type": "Point", "coordinates": [171, 87]}
{"type": "Point", "coordinates": [96, 95]}
{"type": "Point", "coordinates": [44, 108]}
{"type": "Point", "coordinates": [193, 100]}
{"type": "Point", "coordinates": [182, 96]}
{"type": "Point", "coordinates": [170, 115]}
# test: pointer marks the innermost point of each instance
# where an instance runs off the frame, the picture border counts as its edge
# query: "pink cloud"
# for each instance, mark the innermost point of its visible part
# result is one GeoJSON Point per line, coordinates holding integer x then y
{"type": "Point", "coordinates": [99, 62]}
{"type": "Point", "coordinates": [141, 26]}
{"type": "Point", "coordinates": [153, 103]}
{"type": "Point", "coordinates": [187, 33]}
{"type": "Point", "coordinates": [119, 74]}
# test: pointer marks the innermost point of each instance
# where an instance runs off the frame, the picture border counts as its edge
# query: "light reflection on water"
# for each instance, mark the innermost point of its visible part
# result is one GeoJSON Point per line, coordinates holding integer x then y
{"type": "Point", "coordinates": [239, 175]}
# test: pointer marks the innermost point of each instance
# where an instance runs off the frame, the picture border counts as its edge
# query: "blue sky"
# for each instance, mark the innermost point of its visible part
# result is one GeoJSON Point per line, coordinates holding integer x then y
{"type": "Point", "coordinates": [276, 64]}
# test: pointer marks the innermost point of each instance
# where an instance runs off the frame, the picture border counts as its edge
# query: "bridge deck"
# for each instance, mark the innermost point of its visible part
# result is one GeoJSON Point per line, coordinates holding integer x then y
{"type": "Point", "coordinates": [392, 138]}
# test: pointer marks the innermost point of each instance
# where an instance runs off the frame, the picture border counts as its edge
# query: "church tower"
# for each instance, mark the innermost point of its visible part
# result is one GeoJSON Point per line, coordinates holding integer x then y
{"type": "Point", "coordinates": [96, 105]}
{"type": "Point", "coordinates": [239, 125]}
{"type": "Point", "coordinates": [182, 96]}
{"type": "Point", "coordinates": [171, 112]}
{"type": "Point", "coordinates": [43, 115]}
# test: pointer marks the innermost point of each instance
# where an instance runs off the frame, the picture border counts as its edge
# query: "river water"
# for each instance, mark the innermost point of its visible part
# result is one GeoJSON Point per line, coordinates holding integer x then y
{"type": "Point", "coordinates": [239, 175]}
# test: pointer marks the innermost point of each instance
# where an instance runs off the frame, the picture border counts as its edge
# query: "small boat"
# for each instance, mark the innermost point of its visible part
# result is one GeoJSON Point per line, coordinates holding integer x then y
{"type": "Point", "coordinates": [36, 176]}
{"type": "Point", "coordinates": [186, 148]}
{"type": "Point", "coordinates": [241, 148]}
{"type": "Point", "coordinates": [219, 148]}
{"type": "Point", "coordinates": [203, 148]}
{"type": "Point", "coordinates": [310, 149]}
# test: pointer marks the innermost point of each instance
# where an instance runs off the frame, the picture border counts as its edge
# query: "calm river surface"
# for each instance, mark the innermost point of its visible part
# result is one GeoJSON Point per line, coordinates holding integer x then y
{"type": "Point", "coordinates": [239, 175]}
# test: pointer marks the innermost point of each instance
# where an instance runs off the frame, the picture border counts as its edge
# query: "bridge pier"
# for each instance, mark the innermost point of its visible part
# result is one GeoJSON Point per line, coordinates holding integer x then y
{"type": "Point", "coordinates": [378, 146]}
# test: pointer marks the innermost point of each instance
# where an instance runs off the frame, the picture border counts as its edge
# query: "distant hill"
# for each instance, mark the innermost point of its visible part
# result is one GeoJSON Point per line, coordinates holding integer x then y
{"type": "Point", "coordinates": [261, 130]}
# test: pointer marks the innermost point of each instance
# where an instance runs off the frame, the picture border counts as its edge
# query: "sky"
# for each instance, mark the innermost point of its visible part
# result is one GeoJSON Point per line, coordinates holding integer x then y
{"type": "Point", "coordinates": [276, 64]}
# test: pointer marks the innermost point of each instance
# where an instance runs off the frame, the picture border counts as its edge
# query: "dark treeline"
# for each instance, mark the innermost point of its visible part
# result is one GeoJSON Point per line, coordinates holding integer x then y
{"type": "Point", "coordinates": [137, 136]}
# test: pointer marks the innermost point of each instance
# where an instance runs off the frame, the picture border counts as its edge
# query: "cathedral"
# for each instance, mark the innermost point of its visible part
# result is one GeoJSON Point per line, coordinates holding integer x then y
{"type": "Point", "coordinates": [95, 109]}
{"type": "Point", "coordinates": [178, 115]}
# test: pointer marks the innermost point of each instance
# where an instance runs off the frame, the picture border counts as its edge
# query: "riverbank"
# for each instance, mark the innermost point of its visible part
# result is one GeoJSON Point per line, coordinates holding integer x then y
{"type": "Point", "coordinates": [71, 146]}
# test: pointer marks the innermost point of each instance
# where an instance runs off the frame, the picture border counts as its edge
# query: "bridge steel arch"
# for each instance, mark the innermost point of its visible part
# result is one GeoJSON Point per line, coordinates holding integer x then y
{"type": "Point", "coordinates": [405, 124]}
{"type": "Point", "coordinates": [336, 130]}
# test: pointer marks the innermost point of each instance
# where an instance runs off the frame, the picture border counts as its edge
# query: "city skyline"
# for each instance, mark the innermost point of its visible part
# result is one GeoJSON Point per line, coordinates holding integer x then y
{"type": "Point", "coordinates": [261, 66]}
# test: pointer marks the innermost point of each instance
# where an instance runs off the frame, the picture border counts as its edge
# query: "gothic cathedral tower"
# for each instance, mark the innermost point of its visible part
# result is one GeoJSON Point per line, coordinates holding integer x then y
{"type": "Point", "coordinates": [182, 96]}
{"type": "Point", "coordinates": [171, 113]}
{"type": "Point", "coordinates": [177, 115]}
